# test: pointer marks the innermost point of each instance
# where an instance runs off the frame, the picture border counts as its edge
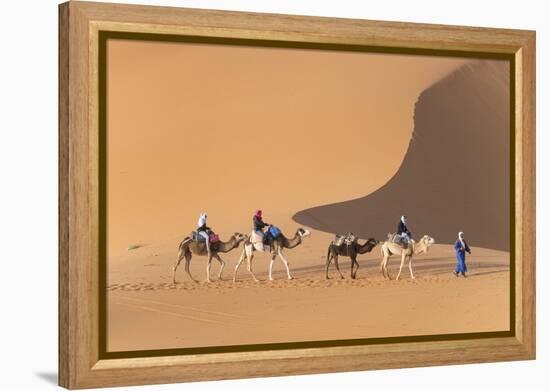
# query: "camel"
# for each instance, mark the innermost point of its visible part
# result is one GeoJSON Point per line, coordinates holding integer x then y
{"type": "Point", "coordinates": [276, 247]}
{"type": "Point", "coordinates": [188, 247]}
{"type": "Point", "coordinates": [390, 248]}
{"type": "Point", "coordinates": [348, 250]}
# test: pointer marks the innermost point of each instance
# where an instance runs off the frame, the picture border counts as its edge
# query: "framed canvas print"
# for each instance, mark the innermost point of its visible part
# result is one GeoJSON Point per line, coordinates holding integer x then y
{"type": "Point", "coordinates": [251, 194]}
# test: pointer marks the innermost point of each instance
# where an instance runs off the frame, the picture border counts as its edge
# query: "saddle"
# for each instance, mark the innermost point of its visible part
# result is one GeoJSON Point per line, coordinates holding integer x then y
{"type": "Point", "coordinates": [274, 231]}
{"type": "Point", "coordinates": [396, 238]}
{"type": "Point", "coordinates": [196, 237]}
{"type": "Point", "coordinates": [346, 239]}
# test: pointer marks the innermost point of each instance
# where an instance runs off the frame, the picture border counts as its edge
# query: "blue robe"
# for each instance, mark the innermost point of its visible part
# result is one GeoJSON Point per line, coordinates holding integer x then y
{"type": "Point", "coordinates": [461, 256]}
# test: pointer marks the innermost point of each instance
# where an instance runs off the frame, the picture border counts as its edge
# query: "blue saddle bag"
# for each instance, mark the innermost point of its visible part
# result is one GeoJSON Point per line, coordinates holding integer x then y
{"type": "Point", "coordinates": [274, 231]}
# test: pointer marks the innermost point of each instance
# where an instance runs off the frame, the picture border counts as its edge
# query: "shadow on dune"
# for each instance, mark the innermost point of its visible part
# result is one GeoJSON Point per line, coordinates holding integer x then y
{"type": "Point", "coordinates": [454, 176]}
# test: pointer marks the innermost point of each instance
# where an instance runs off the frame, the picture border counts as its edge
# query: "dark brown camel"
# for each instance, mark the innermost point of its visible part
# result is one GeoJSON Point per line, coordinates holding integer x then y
{"type": "Point", "coordinates": [188, 247]}
{"type": "Point", "coordinates": [348, 250]}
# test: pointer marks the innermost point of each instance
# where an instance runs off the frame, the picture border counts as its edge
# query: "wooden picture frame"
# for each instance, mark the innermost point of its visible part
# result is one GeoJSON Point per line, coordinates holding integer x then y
{"type": "Point", "coordinates": [81, 363]}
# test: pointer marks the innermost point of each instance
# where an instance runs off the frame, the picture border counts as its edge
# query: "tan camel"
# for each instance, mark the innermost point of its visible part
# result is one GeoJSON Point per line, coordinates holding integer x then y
{"type": "Point", "coordinates": [275, 247]}
{"type": "Point", "coordinates": [390, 248]}
{"type": "Point", "coordinates": [188, 247]}
{"type": "Point", "coordinates": [348, 250]}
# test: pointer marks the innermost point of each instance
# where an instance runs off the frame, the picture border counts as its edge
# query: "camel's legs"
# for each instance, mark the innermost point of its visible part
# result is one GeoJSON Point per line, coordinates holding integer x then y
{"type": "Point", "coordinates": [354, 263]}
{"type": "Point", "coordinates": [384, 266]}
{"type": "Point", "coordinates": [247, 253]}
{"type": "Point", "coordinates": [338, 266]}
{"type": "Point", "coordinates": [329, 259]}
{"type": "Point", "coordinates": [273, 256]}
{"type": "Point", "coordinates": [208, 266]}
{"type": "Point", "coordinates": [222, 265]}
{"type": "Point", "coordinates": [410, 267]}
{"type": "Point", "coordinates": [178, 261]}
{"type": "Point", "coordinates": [188, 257]}
{"type": "Point", "coordinates": [241, 259]}
{"type": "Point", "coordinates": [286, 264]}
{"type": "Point", "coordinates": [403, 256]}
{"type": "Point", "coordinates": [249, 259]}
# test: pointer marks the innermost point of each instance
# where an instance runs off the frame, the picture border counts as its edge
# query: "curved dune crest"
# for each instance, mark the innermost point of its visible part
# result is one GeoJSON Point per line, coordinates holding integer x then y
{"type": "Point", "coordinates": [454, 176]}
{"type": "Point", "coordinates": [227, 130]}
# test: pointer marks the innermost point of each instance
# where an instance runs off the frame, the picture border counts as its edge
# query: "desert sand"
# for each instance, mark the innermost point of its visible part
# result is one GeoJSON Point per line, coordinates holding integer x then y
{"type": "Point", "coordinates": [229, 130]}
{"type": "Point", "coordinates": [146, 311]}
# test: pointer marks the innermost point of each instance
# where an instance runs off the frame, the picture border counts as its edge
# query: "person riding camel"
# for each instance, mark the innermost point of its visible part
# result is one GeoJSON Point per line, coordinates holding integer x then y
{"type": "Point", "coordinates": [403, 231]}
{"type": "Point", "coordinates": [203, 230]}
{"type": "Point", "coordinates": [259, 226]}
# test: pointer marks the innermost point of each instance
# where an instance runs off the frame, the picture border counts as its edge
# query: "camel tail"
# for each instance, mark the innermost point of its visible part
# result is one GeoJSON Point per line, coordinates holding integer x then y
{"type": "Point", "coordinates": [382, 251]}
{"type": "Point", "coordinates": [183, 242]}
{"type": "Point", "coordinates": [328, 252]}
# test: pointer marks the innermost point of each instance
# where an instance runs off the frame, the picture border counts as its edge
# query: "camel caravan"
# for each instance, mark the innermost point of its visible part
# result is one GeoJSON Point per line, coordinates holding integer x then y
{"type": "Point", "coordinates": [205, 243]}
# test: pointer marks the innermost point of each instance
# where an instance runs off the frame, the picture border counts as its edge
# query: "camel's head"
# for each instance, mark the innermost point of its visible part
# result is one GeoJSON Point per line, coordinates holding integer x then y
{"type": "Point", "coordinates": [369, 244]}
{"type": "Point", "coordinates": [427, 240]}
{"type": "Point", "coordinates": [372, 242]}
{"type": "Point", "coordinates": [303, 232]}
{"type": "Point", "coordinates": [239, 237]}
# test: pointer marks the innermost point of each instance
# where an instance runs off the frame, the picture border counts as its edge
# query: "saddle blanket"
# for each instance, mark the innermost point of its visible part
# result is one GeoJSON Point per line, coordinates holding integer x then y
{"type": "Point", "coordinates": [348, 239]}
{"type": "Point", "coordinates": [196, 237]}
{"type": "Point", "coordinates": [274, 231]}
{"type": "Point", "coordinates": [396, 238]}
{"type": "Point", "coordinates": [199, 238]}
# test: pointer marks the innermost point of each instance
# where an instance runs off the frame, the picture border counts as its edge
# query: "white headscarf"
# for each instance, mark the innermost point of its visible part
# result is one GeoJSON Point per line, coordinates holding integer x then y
{"type": "Point", "coordinates": [460, 237]}
{"type": "Point", "coordinates": [202, 219]}
{"type": "Point", "coordinates": [403, 220]}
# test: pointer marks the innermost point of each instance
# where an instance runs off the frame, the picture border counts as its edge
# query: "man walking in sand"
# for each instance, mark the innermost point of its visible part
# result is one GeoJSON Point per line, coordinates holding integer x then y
{"type": "Point", "coordinates": [461, 248]}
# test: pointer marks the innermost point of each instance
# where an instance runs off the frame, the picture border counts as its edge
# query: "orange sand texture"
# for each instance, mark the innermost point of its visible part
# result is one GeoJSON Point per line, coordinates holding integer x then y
{"type": "Point", "coordinates": [228, 130]}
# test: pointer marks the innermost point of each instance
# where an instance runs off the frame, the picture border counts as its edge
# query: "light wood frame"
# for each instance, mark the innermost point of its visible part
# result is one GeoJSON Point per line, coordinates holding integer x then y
{"type": "Point", "coordinates": [80, 365]}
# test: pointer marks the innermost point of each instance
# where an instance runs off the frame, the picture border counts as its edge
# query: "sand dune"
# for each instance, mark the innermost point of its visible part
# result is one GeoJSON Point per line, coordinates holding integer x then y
{"type": "Point", "coordinates": [454, 176]}
{"type": "Point", "coordinates": [232, 129]}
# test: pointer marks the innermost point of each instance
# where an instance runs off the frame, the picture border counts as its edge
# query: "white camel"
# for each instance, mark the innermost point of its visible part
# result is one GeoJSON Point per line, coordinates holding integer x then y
{"type": "Point", "coordinates": [275, 248]}
{"type": "Point", "coordinates": [390, 248]}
